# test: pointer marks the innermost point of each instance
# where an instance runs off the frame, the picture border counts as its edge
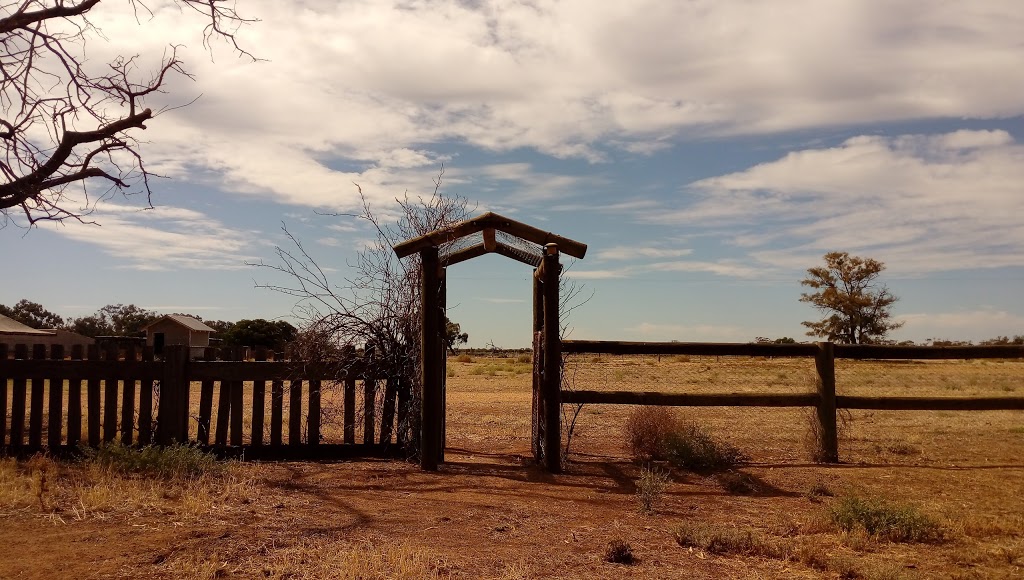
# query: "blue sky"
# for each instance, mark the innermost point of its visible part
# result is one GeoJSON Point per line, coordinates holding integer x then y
{"type": "Point", "coordinates": [707, 152]}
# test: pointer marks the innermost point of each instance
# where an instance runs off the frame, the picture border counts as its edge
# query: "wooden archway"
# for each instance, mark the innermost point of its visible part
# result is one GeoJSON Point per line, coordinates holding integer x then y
{"type": "Point", "coordinates": [535, 248]}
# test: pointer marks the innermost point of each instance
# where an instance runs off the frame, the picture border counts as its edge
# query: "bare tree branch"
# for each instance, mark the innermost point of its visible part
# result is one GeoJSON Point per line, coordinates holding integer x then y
{"type": "Point", "coordinates": [63, 125]}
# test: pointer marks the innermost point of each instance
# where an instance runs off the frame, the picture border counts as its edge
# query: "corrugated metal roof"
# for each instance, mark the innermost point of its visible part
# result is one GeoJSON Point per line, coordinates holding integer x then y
{"type": "Point", "coordinates": [11, 326]}
{"type": "Point", "coordinates": [186, 321]}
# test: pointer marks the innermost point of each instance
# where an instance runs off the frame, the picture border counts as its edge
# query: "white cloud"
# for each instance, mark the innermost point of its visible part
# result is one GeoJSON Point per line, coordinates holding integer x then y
{"type": "Point", "coordinates": [502, 300]}
{"type": "Point", "coordinates": [977, 325]}
{"type": "Point", "coordinates": [632, 252]}
{"type": "Point", "coordinates": [689, 333]}
{"type": "Point", "coordinates": [919, 203]}
{"type": "Point", "coordinates": [163, 238]}
{"type": "Point", "coordinates": [557, 77]}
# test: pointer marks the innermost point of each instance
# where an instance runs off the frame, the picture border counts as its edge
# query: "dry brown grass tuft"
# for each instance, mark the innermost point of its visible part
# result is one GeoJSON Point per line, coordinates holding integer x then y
{"type": "Point", "coordinates": [647, 430]}
{"type": "Point", "coordinates": [89, 490]}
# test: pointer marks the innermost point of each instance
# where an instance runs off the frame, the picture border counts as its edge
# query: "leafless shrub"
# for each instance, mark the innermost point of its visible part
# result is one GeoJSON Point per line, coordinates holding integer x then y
{"type": "Point", "coordinates": [647, 431]}
{"type": "Point", "coordinates": [373, 314]}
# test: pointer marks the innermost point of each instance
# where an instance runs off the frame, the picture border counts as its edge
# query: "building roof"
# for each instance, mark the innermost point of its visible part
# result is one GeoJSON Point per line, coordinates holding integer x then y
{"type": "Point", "coordinates": [186, 321]}
{"type": "Point", "coordinates": [11, 326]}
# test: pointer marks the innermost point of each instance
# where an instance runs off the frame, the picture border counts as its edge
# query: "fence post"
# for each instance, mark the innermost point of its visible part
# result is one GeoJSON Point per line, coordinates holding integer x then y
{"type": "Point", "coordinates": [552, 363]}
{"type": "Point", "coordinates": [536, 427]}
{"type": "Point", "coordinates": [825, 363]}
{"type": "Point", "coordinates": [172, 416]}
{"type": "Point", "coordinates": [431, 368]}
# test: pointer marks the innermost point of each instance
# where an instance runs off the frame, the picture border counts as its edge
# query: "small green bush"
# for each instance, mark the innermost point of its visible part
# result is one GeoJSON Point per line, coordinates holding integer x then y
{"type": "Point", "coordinates": [896, 523]}
{"type": "Point", "coordinates": [171, 462]}
{"type": "Point", "coordinates": [649, 489]}
{"type": "Point", "coordinates": [524, 359]}
{"type": "Point", "coordinates": [618, 552]}
{"type": "Point", "coordinates": [464, 358]}
{"type": "Point", "coordinates": [691, 447]}
{"type": "Point", "coordinates": [647, 430]}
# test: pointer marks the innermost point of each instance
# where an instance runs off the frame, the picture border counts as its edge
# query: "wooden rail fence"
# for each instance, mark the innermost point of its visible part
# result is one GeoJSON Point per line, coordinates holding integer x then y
{"type": "Point", "coordinates": [825, 400]}
{"type": "Point", "coordinates": [135, 398]}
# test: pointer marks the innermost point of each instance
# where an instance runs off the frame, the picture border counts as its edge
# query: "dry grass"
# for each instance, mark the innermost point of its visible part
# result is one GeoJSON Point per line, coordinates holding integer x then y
{"type": "Point", "coordinates": [313, 559]}
{"type": "Point", "coordinates": [95, 490]}
{"type": "Point", "coordinates": [491, 514]}
{"type": "Point", "coordinates": [647, 430]}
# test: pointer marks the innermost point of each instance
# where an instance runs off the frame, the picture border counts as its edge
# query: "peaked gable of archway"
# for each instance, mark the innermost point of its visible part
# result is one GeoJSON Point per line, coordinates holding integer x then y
{"type": "Point", "coordinates": [488, 223]}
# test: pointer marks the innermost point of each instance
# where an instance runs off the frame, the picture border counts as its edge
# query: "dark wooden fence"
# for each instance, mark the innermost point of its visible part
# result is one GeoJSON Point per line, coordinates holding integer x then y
{"type": "Point", "coordinates": [265, 408]}
{"type": "Point", "coordinates": [825, 400]}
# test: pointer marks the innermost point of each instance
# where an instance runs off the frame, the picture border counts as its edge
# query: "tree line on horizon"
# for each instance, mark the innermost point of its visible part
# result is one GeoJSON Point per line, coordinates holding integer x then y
{"type": "Point", "coordinates": [130, 320]}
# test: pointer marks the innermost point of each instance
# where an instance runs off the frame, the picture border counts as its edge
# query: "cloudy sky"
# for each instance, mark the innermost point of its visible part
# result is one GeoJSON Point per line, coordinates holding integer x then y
{"type": "Point", "coordinates": [708, 152]}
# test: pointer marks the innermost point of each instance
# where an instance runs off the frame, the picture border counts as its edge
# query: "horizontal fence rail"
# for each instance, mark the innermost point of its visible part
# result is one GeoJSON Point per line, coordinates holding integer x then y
{"type": "Point", "coordinates": [227, 400]}
{"type": "Point", "coordinates": [825, 399]}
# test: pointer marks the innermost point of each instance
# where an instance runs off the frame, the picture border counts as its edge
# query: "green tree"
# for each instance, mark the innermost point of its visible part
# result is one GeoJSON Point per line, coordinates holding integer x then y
{"type": "Point", "coordinates": [858, 310]}
{"type": "Point", "coordinates": [32, 314]}
{"type": "Point", "coordinates": [453, 335]}
{"type": "Point", "coordinates": [273, 334]}
{"type": "Point", "coordinates": [93, 325]}
{"type": "Point", "coordinates": [114, 320]}
{"type": "Point", "coordinates": [128, 320]}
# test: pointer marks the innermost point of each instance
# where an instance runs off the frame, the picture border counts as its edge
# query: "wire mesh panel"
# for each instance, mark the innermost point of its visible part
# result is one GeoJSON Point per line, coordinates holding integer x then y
{"type": "Point", "coordinates": [685, 373]}
{"type": "Point", "coordinates": [932, 378]}
{"type": "Point", "coordinates": [763, 433]}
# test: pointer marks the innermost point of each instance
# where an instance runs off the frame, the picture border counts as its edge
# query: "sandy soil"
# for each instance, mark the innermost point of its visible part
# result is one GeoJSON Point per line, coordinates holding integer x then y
{"type": "Point", "coordinates": [490, 513]}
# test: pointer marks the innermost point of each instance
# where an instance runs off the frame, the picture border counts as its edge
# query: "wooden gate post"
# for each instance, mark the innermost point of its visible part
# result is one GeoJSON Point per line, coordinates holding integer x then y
{"type": "Point", "coordinates": [552, 363]}
{"type": "Point", "coordinates": [825, 364]}
{"type": "Point", "coordinates": [173, 414]}
{"type": "Point", "coordinates": [443, 356]}
{"type": "Point", "coordinates": [431, 368]}
{"type": "Point", "coordinates": [537, 430]}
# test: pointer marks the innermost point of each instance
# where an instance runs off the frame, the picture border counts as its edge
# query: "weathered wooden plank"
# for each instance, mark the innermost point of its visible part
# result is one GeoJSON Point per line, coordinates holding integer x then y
{"type": "Point", "coordinates": [276, 412]}
{"type": "Point", "coordinates": [267, 371]}
{"type": "Point", "coordinates": [146, 402]}
{"type": "Point", "coordinates": [931, 403]}
{"type": "Point", "coordinates": [74, 401]}
{"type": "Point", "coordinates": [536, 428]}
{"type": "Point", "coordinates": [688, 348]}
{"type": "Point", "coordinates": [35, 417]}
{"type": "Point", "coordinates": [173, 414]}
{"type": "Point", "coordinates": [80, 370]}
{"type": "Point", "coordinates": [552, 379]}
{"type": "Point", "coordinates": [237, 402]}
{"type": "Point", "coordinates": [403, 427]}
{"type": "Point", "coordinates": [387, 419]}
{"type": "Point", "coordinates": [350, 411]}
{"type": "Point", "coordinates": [431, 366]}
{"type": "Point", "coordinates": [369, 409]}
{"type": "Point", "coordinates": [18, 401]}
{"type": "Point", "coordinates": [223, 400]}
{"type": "Point", "coordinates": [828, 434]}
{"type": "Point", "coordinates": [690, 399]}
{"type": "Point", "coordinates": [3, 399]}
{"type": "Point", "coordinates": [55, 412]}
{"type": "Point", "coordinates": [474, 251]}
{"type": "Point", "coordinates": [313, 417]}
{"type": "Point", "coordinates": [128, 400]}
{"type": "Point", "coordinates": [873, 351]}
{"type": "Point", "coordinates": [295, 413]}
{"type": "Point", "coordinates": [259, 399]}
{"type": "Point", "coordinates": [489, 220]}
{"type": "Point", "coordinates": [93, 398]}
{"type": "Point", "coordinates": [112, 353]}
{"type": "Point", "coordinates": [206, 401]}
